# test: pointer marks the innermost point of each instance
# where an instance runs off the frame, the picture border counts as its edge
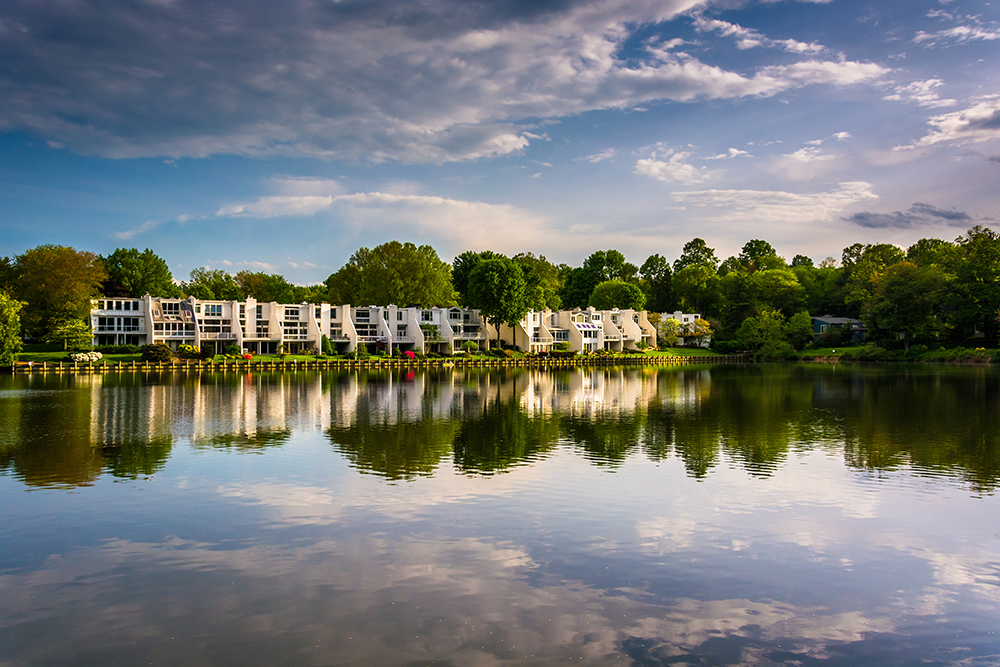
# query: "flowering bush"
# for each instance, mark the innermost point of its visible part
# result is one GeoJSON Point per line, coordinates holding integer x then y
{"type": "Point", "coordinates": [248, 356]}
{"type": "Point", "coordinates": [86, 357]}
{"type": "Point", "coordinates": [410, 354]}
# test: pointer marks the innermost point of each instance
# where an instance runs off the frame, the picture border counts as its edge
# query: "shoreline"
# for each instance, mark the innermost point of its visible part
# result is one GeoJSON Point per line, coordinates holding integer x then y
{"type": "Point", "coordinates": [194, 366]}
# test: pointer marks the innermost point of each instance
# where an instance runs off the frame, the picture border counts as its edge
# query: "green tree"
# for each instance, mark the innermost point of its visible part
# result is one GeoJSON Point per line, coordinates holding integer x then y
{"type": "Point", "coordinates": [577, 287]}
{"type": "Point", "coordinates": [393, 272]}
{"type": "Point", "coordinates": [657, 283]}
{"type": "Point", "coordinates": [697, 289]}
{"type": "Point", "coordinates": [668, 332]}
{"type": "Point", "coordinates": [542, 279]}
{"type": "Point", "coordinates": [696, 252]}
{"type": "Point", "coordinates": [612, 294]}
{"type": "Point", "coordinates": [207, 284]}
{"type": "Point", "coordinates": [496, 288]}
{"type": "Point", "coordinates": [936, 252]}
{"type": "Point", "coordinates": [759, 255]}
{"type": "Point", "coordinates": [976, 294]}
{"type": "Point", "coordinates": [779, 289]}
{"type": "Point", "coordinates": [908, 301]}
{"type": "Point", "coordinates": [461, 269]}
{"type": "Point", "coordinates": [135, 274]}
{"type": "Point", "coordinates": [10, 328]}
{"type": "Point", "coordinates": [757, 332]}
{"type": "Point", "coordinates": [266, 287]}
{"type": "Point", "coordinates": [73, 334]}
{"type": "Point", "coordinates": [799, 330]}
{"type": "Point", "coordinates": [863, 268]}
{"type": "Point", "coordinates": [609, 265]}
{"type": "Point", "coordinates": [57, 284]}
{"type": "Point", "coordinates": [803, 261]}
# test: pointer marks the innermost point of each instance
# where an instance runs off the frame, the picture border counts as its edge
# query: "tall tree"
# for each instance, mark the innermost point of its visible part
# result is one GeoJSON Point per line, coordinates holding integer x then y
{"type": "Point", "coordinates": [863, 268]}
{"type": "Point", "coordinates": [461, 269]}
{"type": "Point", "coordinates": [57, 283]}
{"type": "Point", "coordinates": [135, 274]}
{"type": "Point", "coordinates": [577, 287]}
{"type": "Point", "coordinates": [697, 289]}
{"type": "Point", "coordinates": [617, 294]}
{"type": "Point", "coordinates": [542, 278]}
{"type": "Point", "coordinates": [10, 328]}
{"type": "Point", "coordinates": [696, 252]}
{"type": "Point", "coordinates": [908, 301]}
{"type": "Point", "coordinates": [610, 265]}
{"type": "Point", "coordinates": [212, 284]}
{"type": "Point", "coordinates": [657, 283]}
{"type": "Point", "coordinates": [977, 280]}
{"type": "Point", "coordinates": [266, 287]}
{"type": "Point", "coordinates": [399, 273]}
{"type": "Point", "coordinates": [496, 288]}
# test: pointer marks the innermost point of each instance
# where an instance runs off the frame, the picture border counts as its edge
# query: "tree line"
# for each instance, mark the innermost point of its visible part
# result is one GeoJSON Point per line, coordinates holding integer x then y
{"type": "Point", "coordinates": [932, 291]}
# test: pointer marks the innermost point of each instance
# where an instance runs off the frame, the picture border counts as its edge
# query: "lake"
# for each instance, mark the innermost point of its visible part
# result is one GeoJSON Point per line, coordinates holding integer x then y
{"type": "Point", "coordinates": [753, 515]}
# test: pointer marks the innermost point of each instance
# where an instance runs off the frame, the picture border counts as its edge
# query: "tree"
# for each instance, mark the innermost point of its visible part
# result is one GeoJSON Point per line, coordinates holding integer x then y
{"type": "Point", "coordinates": [799, 330]}
{"type": "Point", "coordinates": [73, 334]}
{"type": "Point", "coordinates": [976, 296]}
{"type": "Point", "coordinates": [609, 265]}
{"type": "Point", "coordinates": [10, 329]}
{"type": "Point", "coordinates": [135, 274]}
{"type": "Point", "coordinates": [496, 288]}
{"type": "Point", "coordinates": [696, 252]}
{"type": "Point", "coordinates": [759, 255]}
{"type": "Point", "coordinates": [542, 279]}
{"type": "Point", "coordinates": [617, 294]}
{"type": "Point", "coordinates": [863, 267]}
{"type": "Point", "coordinates": [697, 288]}
{"type": "Point", "coordinates": [577, 287]}
{"type": "Point", "coordinates": [57, 284]}
{"type": "Point", "coordinates": [778, 288]}
{"type": "Point", "coordinates": [657, 283]}
{"type": "Point", "coordinates": [908, 301]}
{"type": "Point", "coordinates": [266, 287]}
{"type": "Point", "coordinates": [668, 331]}
{"type": "Point", "coordinates": [461, 269]}
{"type": "Point", "coordinates": [803, 261]}
{"type": "Point", "coordinates": [398, 273]}
{"type": "Point", "coordinates": [927, 252]}
{"type": "Point", "coordinates": [212, 284]}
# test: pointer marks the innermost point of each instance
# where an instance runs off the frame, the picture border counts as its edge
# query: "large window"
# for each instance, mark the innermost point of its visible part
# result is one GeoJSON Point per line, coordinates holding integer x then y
{"type": "Point", "coordinates": [213, 310]}
{"type": "Point", "coordinates": [171, 308]}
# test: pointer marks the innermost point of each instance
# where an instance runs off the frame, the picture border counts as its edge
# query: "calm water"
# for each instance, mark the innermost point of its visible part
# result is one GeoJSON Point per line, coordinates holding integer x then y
{"type": "Point", "coordinates": [717, 516]}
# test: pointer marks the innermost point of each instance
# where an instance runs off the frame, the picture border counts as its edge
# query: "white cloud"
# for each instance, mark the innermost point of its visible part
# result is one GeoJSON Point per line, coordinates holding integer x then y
{"type": "Point", "coordinates": [732, 153]}
{"type": "Point", "coordinates": [670, 166]}
{"type": "Point", "coordinates": [958, 35]}
{"type": "Point", "coordinates": [978, 123]}
{"type": "Point", "coordinates": [921, 92]}
{"type": "Point", "coordinates": [278, 206]}
{"type": "Point", "coordinates": [779, 206]}
{"type": "Point", "coordinates": [747, 38]}
{"type": "Point", "coordinates": [606, 154]}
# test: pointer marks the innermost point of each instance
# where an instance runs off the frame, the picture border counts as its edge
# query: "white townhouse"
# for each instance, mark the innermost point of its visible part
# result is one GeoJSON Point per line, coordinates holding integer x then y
{"type": "Point", "coordinates": [585, 330]}
{"type": "Point", "coordinates": [261, 328]}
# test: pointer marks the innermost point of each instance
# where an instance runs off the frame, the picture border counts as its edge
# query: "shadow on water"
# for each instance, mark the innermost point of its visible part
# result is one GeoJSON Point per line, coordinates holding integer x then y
{"type": "Point", "coordinates": [66, 431]}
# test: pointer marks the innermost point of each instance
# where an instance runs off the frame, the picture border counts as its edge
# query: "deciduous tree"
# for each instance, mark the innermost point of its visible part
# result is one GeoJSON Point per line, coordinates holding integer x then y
{"type": "Point", "coordinates": [10, 328]}
{"type": "Point", "coordinates": [135, 274]}
{"type": "Point", "coordinates": [57, 283]}
{"type": "Point", "coordinates": [210, 284]}
{"type": "Point", "coordinates": [496, 288]}
{"type": "Point", "coordinates": [612, 294]}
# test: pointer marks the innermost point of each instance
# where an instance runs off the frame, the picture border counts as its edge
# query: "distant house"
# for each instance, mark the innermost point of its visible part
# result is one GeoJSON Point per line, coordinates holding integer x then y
{"type": "Point", "coordinates": [852, 331]}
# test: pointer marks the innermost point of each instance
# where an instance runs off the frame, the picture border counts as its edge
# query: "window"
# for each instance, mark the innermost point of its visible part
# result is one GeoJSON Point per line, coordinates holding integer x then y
{"type": "Point", "coordinates": [454, 315]}
{"type": "Point", "coordinates": [319, 312]}
{"type": "Point", "coordinates": [171, 308]}
{"type": "Point", "coordinates": [400, 329]}
{"type": "Point", "coordinates": [595, 317]}
{"type": "Point", "coordinates": [361, 315]}
{"type": "Point", "coordinates": [426, 316]}
{"type": "Point", "coordinates": [213, 310]}
{"type": "Point", "coordinates": [260, 311]}
{"type": "Point", "coordinates": [291, 313]}
{"type": "Point", "coordinates": [135, 305]}
{"type": "Point", "coordinates": [399, 316]}
{"type": "Point", "coordinates": [333, 313]}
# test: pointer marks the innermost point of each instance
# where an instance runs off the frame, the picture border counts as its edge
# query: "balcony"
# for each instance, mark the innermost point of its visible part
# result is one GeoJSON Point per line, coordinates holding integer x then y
{"type": "Point", "coordinates": [470, 335]}
{"type": "Point", "coordinates": [113, 329]}
{"type": "Point", "coordinates": [612, 336]}
{"type": "Point", "coordinates": [218, 336]}
{"type": "Point", "coordinates": [173, 334]}
{"type": "Point", "coordinates": [542, 340]}
{"type": "Point", "coordinates": [371, 339]}
{"type": "Point", "coordinates": [402, 339]}
{"type": "Point", "coordinates": [296, 337]}
{"type": "Point", "coordinates": [340, 337]}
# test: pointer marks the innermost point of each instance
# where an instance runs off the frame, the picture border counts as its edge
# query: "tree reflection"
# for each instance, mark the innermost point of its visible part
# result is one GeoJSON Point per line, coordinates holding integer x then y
{"type": "Point", "coordinates": [502, 437]}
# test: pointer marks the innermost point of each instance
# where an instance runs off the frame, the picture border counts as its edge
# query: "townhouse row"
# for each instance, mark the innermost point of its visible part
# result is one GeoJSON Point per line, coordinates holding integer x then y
{"type": "Point", "coordinates": [264, 328]}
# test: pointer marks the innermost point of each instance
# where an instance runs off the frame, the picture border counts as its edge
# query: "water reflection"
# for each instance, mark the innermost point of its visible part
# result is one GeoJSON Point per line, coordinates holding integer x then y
{"type": "Point", "coordinates": [68, 430]}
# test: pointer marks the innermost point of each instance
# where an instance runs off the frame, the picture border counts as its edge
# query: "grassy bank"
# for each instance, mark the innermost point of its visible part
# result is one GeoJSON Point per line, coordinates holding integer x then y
{"type": "Point", "coordinates": [916, 353]}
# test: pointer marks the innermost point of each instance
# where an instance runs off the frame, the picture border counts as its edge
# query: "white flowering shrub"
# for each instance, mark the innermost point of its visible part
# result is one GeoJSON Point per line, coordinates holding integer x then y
{"type": "Point", "coordinates": [84, 357]}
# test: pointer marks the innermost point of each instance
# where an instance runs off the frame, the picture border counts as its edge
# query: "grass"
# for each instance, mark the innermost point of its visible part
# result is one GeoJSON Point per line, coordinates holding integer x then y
{"type": "Point", "coordinates": [828, 351]}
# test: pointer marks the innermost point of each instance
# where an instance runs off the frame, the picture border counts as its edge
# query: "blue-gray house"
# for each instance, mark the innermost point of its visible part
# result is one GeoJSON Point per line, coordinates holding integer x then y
{"type": "Point", "coordinates": [852, 331]}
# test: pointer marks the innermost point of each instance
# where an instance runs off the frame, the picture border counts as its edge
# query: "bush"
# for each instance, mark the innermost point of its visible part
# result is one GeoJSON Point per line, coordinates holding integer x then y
{"type": "Point", "coordinates": [233, 348]}
{"type": "Point", "coordinates": [327, 346]}
{"type": "Point", "coordinates": [85, 357]}
{"type": "Point", "coordinates": [470, 346]}
{"type": "Point", "coordinates": [189, 352]}
{"type": "Point", "coordinates": [776, 351]}
{"type": "Point", "coordinates": [208, 351]}
{"type": "Point", "coordinates": [561, 346]}
{"type": "Point", "coordinates": [156, 352]}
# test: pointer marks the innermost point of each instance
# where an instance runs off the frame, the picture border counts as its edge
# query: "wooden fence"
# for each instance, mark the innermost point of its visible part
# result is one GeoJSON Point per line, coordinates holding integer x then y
{"type": "Point", "coordinates": [253, 365]}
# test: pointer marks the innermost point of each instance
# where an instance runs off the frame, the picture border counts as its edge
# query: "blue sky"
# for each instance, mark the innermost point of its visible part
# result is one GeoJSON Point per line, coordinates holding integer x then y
{"type": "Point", "coordinates": [283, 136]}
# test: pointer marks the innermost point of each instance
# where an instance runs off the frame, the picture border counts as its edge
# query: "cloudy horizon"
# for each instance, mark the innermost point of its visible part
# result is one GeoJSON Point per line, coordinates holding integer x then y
{"type": "Point", "coordinates": [286, 136]}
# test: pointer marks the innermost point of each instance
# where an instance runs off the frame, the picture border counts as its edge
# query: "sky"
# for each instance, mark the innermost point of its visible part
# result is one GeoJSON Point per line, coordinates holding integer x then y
{"type": "Point", "coordinates": [281, 137]}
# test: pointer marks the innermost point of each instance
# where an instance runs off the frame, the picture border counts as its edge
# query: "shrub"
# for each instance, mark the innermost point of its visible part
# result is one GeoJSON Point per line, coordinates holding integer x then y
{"type": "Point", "coordinates": [156, 352]}
{"type": "Point", "coordinates": [327, 346]}
{"type": "Point", "coordinates": [362, 351]}
{"type": "Point", "coordinates": [208, 351]}
{"type": "Point", "coordinates": [117, 349]}
{"type": "Point", "coordinates": [189, 352]}
{"type": "Point", "coordinates": [233, 348]}
{"type": "Point", "coordinates": [85, 357]}
{"type": "Point", "coordinates": [470, 346]}
{"type": "Point", "coordinates": [561, 346]}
